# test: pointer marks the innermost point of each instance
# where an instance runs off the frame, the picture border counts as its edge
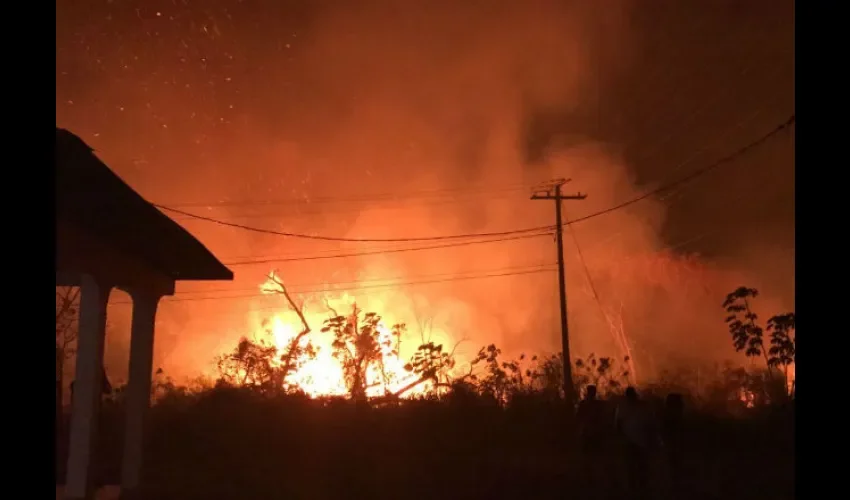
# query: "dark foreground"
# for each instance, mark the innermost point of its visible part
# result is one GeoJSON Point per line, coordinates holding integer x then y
{"type": "Point", "coordinates": [237, 445]}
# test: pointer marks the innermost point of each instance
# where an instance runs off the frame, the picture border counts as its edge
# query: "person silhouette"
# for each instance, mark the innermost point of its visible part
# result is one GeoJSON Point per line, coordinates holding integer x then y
{"type": "Point", "coordinates": [593, 426]}
{"type": "Point", "coordinates": [636, 425]}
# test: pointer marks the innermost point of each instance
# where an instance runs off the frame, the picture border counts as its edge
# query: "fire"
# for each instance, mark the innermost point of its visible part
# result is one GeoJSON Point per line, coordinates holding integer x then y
{"type": "Point", "coordinates": [320, 376]}
{"type": "Point", "coordinates": [747, 397]}
{"type": "Point", "coordinates": [322, 373]}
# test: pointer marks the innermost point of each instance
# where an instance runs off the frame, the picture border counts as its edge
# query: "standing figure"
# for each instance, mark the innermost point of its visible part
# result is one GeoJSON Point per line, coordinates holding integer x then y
{"type": "Point", "coordinates": [639, 432]}
{"type": "Point", "coordinates": [593, 426]}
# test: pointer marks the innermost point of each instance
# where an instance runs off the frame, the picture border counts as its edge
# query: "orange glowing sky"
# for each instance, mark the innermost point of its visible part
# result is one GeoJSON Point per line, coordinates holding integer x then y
{"type": "Point", "coordinates": [319, 117]}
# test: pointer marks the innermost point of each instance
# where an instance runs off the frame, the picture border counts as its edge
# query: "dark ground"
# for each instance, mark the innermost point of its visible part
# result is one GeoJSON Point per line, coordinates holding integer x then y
{"type": "Point", "coordinates": [235, 445]}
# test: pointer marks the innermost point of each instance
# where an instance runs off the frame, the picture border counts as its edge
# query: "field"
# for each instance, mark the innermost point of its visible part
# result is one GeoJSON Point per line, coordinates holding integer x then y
{"type": "Point", "coordinates": [229, 443]}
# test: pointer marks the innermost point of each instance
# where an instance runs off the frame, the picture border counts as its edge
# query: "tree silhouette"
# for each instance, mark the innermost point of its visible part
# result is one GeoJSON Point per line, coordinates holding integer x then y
{"type": "Point", "coordinates": [502, 379]}
{"type": "Point", "coordinates": [548, 374]}
{"type": "Point", "coordinates": [430, 362]}
{"type": "Point", "coordinates": [783, 342]}
{"type": "Point", "coordinates": [602, 372]}
{"type": "Point", "coordinates": [358, 346]}
{"type": "Point", "coordinates": [747, 335]}
{"type": "Point", "coordinates": [297, 351]}
{"type": "Point", "coordinates": [251, 364]}
{"type": "Point", "coordinates": [262, 365]}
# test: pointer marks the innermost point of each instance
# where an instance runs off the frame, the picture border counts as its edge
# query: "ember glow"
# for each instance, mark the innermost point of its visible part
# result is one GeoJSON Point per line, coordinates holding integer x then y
{"type": "Point", "coordinates": [323, 374]}
{"type": "Point", "coordinates": [325, 119]}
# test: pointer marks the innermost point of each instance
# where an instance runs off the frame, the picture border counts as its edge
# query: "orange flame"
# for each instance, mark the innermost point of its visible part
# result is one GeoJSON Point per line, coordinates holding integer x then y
{"type": "Point", "coordinates": [323, 374]}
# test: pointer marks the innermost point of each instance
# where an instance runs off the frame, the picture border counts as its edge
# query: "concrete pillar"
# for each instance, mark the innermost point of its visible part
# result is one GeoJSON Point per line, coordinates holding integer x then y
{"type": "Point", "coordinates": [87, 387]}
{"type": "Point", "coordinates": [138, 388]}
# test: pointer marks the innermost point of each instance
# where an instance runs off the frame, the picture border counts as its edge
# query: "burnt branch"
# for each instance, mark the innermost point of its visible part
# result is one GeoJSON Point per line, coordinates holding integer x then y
{"type": "Point", "coordinates": [294, 350]}
{"type": "Point", "coordinates": [281, 289]}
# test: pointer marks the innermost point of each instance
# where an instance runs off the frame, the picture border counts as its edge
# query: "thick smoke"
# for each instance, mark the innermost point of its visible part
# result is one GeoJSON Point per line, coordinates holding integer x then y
{"type": "Point", "coordinates": [352, 100]}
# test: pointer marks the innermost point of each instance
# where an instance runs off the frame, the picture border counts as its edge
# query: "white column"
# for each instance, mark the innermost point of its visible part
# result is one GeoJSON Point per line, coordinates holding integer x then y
{"type": "Point", "coordinates": [138, 388]}
{"type": "Point", "coordinates": [87, 386]}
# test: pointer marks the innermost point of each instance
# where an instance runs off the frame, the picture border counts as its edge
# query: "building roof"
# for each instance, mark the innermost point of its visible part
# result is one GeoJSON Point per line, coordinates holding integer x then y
{"type": "Point", "coordinates": [92, 197]}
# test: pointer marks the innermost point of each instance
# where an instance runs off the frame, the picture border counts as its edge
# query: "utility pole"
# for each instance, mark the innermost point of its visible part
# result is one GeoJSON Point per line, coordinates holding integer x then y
{"type": "Point", "coordinates": [552, 191]}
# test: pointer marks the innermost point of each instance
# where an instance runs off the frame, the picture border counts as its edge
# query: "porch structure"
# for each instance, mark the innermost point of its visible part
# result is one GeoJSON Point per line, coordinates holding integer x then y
{"type": "Point", "coordinates": [107, 237]}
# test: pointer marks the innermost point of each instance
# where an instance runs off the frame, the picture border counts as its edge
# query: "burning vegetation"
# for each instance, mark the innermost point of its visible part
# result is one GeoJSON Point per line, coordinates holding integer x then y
{"type": "Point", "coordinates": [372, 123]}
{"type": "Point", "coordinates": [358, 354]}
{"type": "Point", "coordinates": [354, 353]}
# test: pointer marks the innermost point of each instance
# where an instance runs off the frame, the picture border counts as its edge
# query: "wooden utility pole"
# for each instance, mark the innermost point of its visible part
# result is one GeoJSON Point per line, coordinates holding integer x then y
{"type": "Point", "coordinates": [552, 191]}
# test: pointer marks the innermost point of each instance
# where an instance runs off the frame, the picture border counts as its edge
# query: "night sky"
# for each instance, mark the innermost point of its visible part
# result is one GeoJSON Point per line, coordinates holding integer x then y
{"type": "Point", "coordinates": [141, 79]}
{"type": "Point", "coordinates": [219, 106]}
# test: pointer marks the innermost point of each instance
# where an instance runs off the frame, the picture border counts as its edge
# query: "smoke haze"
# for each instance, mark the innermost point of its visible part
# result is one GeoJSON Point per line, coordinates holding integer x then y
{"type": "Point", "coordinates": [335, 106]}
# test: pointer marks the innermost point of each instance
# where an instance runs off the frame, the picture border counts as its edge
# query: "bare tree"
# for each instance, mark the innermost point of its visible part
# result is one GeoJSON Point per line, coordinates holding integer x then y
{"type": "Point", "coordinates": [295, 352]}
{"type": "Point", "coordinates": [67, 304]}
{"type": "Point", "coordinates": [254, 363]}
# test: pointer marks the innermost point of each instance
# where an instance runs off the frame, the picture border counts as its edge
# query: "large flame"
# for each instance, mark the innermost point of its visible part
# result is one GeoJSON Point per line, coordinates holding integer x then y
{"type": "Point", "coordinates": [322, 374]}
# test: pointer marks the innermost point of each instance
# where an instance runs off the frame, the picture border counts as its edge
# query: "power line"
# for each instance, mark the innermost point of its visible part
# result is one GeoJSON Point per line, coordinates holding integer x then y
{"type": "Point", "coordinates": [450, 245]}
{"type": "Point", "coordinates": [658, 103]}
{"type": "Point", "coordinates": [538, 269]}
{"type": "Point", "coordinates": [383, 197]}
{"type": "Point", "coordinates": [679, 189]}
{"type": "Point", "coordinates": [671, 246]}
{"type": "Point", "coordinates": [397, 205]}
{"type": "Point", "coordinates": [688, 178]}
{"type": "Point", "coordinates": [356, 254]}
{"type": "Point", "coordinates": [738, 125]}
{"type": "Point", "coordinates": [579, 249]}
{"type": "Point", "coordinates": [364, 240]}
{"type": "Point", "coordinates": [409, 200]}
{"type": "Point", "coordinates": [621, 338]}
{"type": "Point", "coordinates": [376, 280]}
{"type": "Point", "coordinates": [663, 38]}
{"type": "Point", "coordinates": [506, 193]}
{"type": "Point", "coordinates": [436, 197]}
{"type": "Point", "coordinates": [387, 251]}
{"type": "Point", "coordinates": [707, 104]}
{"type": "Point", "coordinates": [693, 175]}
